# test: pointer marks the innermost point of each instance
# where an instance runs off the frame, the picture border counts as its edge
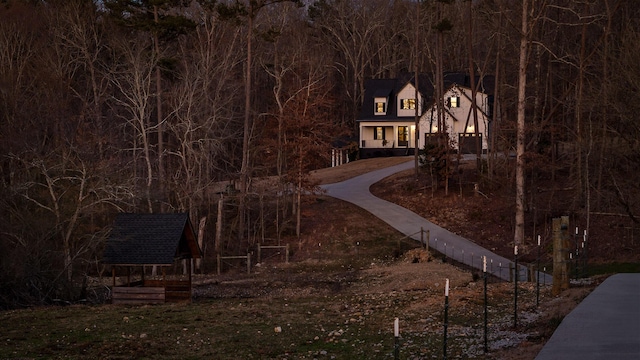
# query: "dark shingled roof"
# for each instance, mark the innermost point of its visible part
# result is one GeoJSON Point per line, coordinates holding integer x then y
{"type": "Point", "coordinates": [380, 87]}
{"type": "Point", "coordinates": [151, 239]}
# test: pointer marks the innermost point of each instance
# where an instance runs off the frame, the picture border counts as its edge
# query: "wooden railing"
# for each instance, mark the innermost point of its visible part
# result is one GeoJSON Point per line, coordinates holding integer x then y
{"type": "Point", "coordinates": [175, 290]}
{"type": "Point", "coordinates": [137, 295]}
{"type": "Point", "coordinates": [152, 292]}
{"type": "Point", "coordinates": [370, 143]}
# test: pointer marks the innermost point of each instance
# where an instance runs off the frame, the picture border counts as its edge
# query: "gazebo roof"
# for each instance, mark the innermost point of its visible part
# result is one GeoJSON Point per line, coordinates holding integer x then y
{"type": "Point", "coordinates": [151, 239]}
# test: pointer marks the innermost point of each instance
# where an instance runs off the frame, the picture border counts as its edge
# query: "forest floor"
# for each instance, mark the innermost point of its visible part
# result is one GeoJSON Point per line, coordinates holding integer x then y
{"type": "Point", "coordinates": [348, 277]}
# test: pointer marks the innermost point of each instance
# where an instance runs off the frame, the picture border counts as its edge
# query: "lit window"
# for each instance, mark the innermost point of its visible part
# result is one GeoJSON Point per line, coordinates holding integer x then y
{"type": "Point", "coordinates": [403, 135]}
{"type": "Point", "coordinates": [408, 104]}
{"type": "Point", "coordinates": [378, 133]}
{"type": "Point", "coordinates": [454, 102]}
{"type": "Point", "coordinates": [380, 107]}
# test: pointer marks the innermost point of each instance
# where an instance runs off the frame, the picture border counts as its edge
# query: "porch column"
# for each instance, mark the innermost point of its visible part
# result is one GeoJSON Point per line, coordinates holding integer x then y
{"type": "Point", "coordinates": [412, 136]}
{"type": "Point", "coordinates": [395, 136]}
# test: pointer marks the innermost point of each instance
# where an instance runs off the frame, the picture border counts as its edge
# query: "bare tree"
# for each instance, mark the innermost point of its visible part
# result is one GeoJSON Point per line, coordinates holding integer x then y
{"type": "Point", "coordinates": [75, 27]}
{"type": "Point", "coordinates": [69, 189]}
{"type": "Point", "coordinates": [350, 28]}
{"type": "Point", "coordinates": [248, 11]}
{"type": "Point", "coordinates": [518, 236]}
{"type": "Point", "coordinates": [202, 134]}
{"type": "Point", "coordinates": [132, 76]}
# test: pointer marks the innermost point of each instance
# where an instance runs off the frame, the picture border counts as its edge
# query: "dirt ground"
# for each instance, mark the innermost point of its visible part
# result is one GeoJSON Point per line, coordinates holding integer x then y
{"type": "Point", "coordinates": [355, 168]}
{"type": "Point", "coordinates": [332, 229]}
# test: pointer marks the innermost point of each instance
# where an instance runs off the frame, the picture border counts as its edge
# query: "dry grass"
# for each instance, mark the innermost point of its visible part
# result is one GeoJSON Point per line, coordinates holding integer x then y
{"type": "Point", "coordinates": [353, 169]}
{"type": "Point", "coordinates": [349, 277]}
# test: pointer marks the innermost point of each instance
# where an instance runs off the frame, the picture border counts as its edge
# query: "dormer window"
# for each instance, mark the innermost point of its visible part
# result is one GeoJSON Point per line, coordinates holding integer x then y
{"type": "Point", "coordinates": [381, 106]}
{"type": "Point", "coordinates": [381, 101]}
{"type": "Point", "coordinates": [408, 104]}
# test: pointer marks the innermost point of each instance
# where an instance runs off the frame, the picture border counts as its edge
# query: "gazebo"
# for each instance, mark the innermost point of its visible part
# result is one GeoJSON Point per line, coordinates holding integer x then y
{"type": "Point", "coordinates": [159, 240]}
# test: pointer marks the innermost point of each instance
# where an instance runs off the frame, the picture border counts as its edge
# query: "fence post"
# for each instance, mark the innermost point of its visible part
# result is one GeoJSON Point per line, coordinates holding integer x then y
{"type": "Point", "coordinates": [510, 272]}
{"type": "Point", "coordinates": [248, 263]}
{"type": "Point", "coordinates": [286, 254]}
{"type": "Point", "coordinates": [428, 238]}
{"type": "Point", "coordinates": [218, 263]}
{"type": "Point", "coordinates": [259, 254]}
{"type": "Point", "coordinates": [560, 254]}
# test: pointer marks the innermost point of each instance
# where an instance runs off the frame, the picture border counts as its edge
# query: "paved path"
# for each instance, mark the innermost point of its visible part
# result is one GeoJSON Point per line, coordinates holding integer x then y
{"type": "Point", "coordinates": [356, 191]}
{"type": "Point", "coordinates": [605, 325]}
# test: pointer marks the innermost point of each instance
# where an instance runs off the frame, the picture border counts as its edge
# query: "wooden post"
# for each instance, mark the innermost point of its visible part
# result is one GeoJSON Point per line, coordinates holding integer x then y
{"type": "Point", "coordinates": [426, 244]}
{"type": "Point", "coordinates": [190, 279]}
{"type": "Point", "coordinates": [201, 227]}
{"type": "Point", "coordinates": [218, 240]}
{"type": "Point", "coordinates": [560, 254]}
{"type": "Point", "coordinates": [248, 263]}
{"type": "Point", "coordinates": [259, 254]}
{"type": "Point", "coordinates": [113, 275]}
{"type": "Point", "coordinates": [164, 282]}
{"type": "Point", "coordinates": [286, 254]}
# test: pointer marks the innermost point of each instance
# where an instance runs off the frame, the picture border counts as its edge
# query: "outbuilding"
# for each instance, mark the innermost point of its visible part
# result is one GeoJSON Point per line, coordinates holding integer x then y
{"type": "Point", "coordinates": [161, 241]}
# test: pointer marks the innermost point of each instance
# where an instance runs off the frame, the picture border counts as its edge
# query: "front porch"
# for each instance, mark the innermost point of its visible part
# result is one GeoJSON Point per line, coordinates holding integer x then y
{"type": "Point", "coordinates": [377, 140]}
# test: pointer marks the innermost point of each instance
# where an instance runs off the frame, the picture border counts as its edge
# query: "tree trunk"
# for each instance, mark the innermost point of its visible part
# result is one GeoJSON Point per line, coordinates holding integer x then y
{"type": "Point", "coordinates": [218, 245]}
{"type": "Point", "coordinates": [495, 121]}
{"type": "Point", "coordinates": [416, 132]}
{"type": "Point", "coordinates": [472, 79]}
{"type": "Point", "coordinates": [160, 130]}
{"type": "Point", "coordinates": [201, 227]}
{"type": "Point", "coordinates": [299, 193]}
{"type": "Point", "coordinates": [244, 170]}
{"type": "Point", "coordinates": [518, 236]}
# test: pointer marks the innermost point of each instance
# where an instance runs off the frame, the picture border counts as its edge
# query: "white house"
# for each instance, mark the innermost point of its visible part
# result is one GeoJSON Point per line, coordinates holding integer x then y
{"type": "Point", "coordinates": [458, 120]}
{"type": "Point", "coordinates": [387, 119]}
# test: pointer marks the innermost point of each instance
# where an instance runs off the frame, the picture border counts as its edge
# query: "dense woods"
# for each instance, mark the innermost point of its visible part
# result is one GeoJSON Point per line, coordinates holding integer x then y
{"type": "Point", "coordinates": [171, 105]}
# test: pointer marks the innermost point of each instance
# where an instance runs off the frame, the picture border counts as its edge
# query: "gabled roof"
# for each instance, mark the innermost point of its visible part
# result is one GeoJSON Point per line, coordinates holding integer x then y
{"type": "Point", "coordinates": [484, 84]}
{"type": "Point", "coordinates": [377, 87]}
{"type": "Point", "coordinates": [151, 239]}
{"type": "Point", "coordinates": [388, 88]}
{"type": "Point", "coordinates": [382, 92]}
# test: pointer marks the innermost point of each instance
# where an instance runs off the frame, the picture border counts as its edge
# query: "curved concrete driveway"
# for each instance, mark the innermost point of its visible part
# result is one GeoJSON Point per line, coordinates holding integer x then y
{"type": "Point", "coordinates": [605, 325]}
{"type": "Point", "coordinates": [356, 191]}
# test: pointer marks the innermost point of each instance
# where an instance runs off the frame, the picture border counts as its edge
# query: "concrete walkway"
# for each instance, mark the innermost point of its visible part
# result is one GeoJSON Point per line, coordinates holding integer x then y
{"type": "Point", "coordinates": [356, 191]}
{"type": "Point", "coordinates": [605, 325]}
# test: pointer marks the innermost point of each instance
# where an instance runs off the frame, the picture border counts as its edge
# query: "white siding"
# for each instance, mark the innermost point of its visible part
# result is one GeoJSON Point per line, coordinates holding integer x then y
{"type": "Point", "coordinates": [367, 130]}
{"type": "Point", "coordinates": [457, 118]}
{"type": "Point", "coordinates": [408, 92]}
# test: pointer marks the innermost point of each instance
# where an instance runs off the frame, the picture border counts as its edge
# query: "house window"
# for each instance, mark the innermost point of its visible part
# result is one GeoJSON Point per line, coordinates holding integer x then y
{"type": "Point", "coordinates": [408, 104]}
{"type": "Point", "coordinates": [380, 107]}
{"type": "Point", "coordinates": [454, 101]}
{"type": "Point", "coordinates": [378, 133]}
{"type": "Point", "coordinates": [403, 135]}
